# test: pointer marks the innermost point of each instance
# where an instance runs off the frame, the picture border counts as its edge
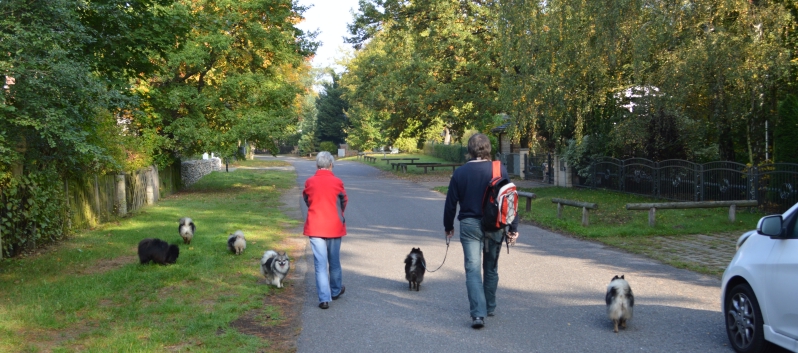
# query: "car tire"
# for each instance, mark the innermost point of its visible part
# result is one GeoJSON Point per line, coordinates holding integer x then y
{"type": "Point", "coordinates": [744, 320]}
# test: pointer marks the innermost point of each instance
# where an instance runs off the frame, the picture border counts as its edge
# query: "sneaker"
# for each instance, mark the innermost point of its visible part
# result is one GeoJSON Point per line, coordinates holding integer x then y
{"type": "Point", "coordinates": [343, 289]}
{"type": "Point", "coordinates": [324, 305]}
{"type": "Point", "coordinates": [477, 322]}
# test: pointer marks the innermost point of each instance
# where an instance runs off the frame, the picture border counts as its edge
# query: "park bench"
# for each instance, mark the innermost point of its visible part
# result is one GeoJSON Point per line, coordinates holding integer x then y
{"type": "Point", "coordinates": [438, 165]}
{"type": "Point", "coordinates": [371, 159]}
{"type": "Point", "coordinates": [529, 196]}
{"type": "Point", "coordinates": [652, 207]}
{"type": "Point", "coordinates": [585, 206]}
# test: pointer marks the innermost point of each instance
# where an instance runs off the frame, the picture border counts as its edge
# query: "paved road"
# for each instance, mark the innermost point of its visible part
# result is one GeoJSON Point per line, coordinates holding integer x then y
{"type": "Point", "coordinates": [550, 296]}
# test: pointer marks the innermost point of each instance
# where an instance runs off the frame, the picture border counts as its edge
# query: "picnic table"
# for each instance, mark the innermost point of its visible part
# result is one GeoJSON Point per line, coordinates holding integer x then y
{"type": "Point", "coordinates": [403, 165]}
{"type": "Point", "coordinates": [438, 165]}
{"type": "Point", "coordinates": [388, 160]}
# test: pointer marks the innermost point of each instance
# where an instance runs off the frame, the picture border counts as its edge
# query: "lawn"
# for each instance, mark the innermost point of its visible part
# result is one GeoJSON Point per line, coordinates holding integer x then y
{"type": "Point", "coordinates": [259, 163]}
{"type": "Point", "coordinates": [611, 219]}
{"type": "Point", "coordinates": [411, 170]}
{"type": "Point", "coordinates": [90, 294]}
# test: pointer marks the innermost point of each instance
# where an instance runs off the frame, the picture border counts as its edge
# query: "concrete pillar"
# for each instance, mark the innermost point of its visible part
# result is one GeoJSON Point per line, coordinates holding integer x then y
{"type": "Point", "coordinates": [150, 188]}
{"type": "Point", "coordinates": [121, 195]}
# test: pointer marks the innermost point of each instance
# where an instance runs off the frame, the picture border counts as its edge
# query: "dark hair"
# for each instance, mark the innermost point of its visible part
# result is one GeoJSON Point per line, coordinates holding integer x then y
{"type": "Point", "coordinates": [479, 146]}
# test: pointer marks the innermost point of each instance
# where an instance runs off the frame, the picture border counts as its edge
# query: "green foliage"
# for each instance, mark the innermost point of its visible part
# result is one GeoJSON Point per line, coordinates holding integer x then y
{"type": "Point", "coordinates": [331, 120]}
{"type": "Point", "coordinates": [329, 146]}
{"type": "Point", "coordinates": [423, 67]}
{"type": "Point", "coordinates": [453, 153]}
{"type": "Point", "coordinates": [785, 136]}
{"type": "Point", "coordinates": [32, 211]}
{"type": "Point", "coordinates": [406, 144]}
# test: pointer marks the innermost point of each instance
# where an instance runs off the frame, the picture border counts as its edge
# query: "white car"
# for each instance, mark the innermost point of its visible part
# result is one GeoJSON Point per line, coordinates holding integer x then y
{"type": "Point", "coordinates": [759, 296]}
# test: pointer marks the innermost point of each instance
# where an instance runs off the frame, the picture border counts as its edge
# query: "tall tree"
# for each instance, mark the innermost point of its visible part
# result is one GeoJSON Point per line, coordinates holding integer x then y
{"type": "Point", "coordinates": [332, 121]}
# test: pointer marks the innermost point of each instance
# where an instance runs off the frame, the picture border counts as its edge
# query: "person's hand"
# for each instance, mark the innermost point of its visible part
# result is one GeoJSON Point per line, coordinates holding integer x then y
{"type": "Point", "coordinates": [511, 238]}
{"type": "Point", "coordinates": [449, 235]}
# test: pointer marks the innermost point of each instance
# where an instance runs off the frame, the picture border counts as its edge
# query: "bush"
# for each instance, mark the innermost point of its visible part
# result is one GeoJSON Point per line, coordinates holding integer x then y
{"type": "Point", "coordinates": [453, 153]}
{"type": "Point", "coordinates": [405, 144]}
{"type": "Point", "coordinates": [329, 146]}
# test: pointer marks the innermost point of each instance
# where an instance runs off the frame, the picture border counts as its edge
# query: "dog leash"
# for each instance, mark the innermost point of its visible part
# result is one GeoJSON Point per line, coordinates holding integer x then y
{"type": "Point", "coordinates": [444, 258]}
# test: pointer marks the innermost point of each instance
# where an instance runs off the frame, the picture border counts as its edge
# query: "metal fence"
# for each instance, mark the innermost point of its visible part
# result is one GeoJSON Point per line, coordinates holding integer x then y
{"type": "Point", "coordinates": [772, 185]}
{"type": "Point", "coordinates": [539, 168]}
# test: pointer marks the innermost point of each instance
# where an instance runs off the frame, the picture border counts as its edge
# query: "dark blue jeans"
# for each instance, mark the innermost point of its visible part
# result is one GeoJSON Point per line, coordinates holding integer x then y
{"type": "Point", "coordinates": [481, 285]}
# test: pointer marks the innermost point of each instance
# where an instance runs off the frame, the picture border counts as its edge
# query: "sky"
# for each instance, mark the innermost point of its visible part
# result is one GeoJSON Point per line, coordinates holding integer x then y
{"type": "Point", "coordinates": [330, 18]}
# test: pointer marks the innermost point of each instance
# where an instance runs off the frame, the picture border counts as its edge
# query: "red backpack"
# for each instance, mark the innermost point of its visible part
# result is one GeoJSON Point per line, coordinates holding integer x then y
{"type": "Point", "coordinates": [500, 202]}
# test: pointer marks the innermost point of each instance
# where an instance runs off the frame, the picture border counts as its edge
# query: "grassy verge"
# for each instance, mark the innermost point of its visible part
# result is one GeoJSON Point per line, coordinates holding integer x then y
{"type": "Point", "coordinates": [611, 219]}
{"type": "Point", "coordinates": [700, 240]}
{"type": "Point", "coordinates": [91, 294]}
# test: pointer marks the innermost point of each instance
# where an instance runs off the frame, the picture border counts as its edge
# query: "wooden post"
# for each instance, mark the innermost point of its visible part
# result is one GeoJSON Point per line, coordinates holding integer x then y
{"type": "Point", "coordinates": [148, 187]}
{"type": "Point", "coordinates": [121, 195]}
{"type": "Point", "coordinates": [732, 212]}
{"type": "Point", "coordinates": [528, 204]}
{"type": "Point", "coordinates": [652, 213]}
{"type": "Point", "coordinates": [584, 217]}
{"type": "Point", "coordinates": [559, 210]}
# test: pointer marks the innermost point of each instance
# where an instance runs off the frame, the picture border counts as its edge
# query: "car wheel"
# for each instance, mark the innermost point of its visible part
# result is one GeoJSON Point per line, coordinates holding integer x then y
{"type": "Point", "coordinates": [744, 320]}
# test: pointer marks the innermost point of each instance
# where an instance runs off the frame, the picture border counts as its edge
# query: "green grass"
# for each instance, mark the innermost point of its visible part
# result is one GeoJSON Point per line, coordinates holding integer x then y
{"type": "Point", "coordinates": [90, 293]}
{"type": "Point", "coordinates": [611, 219]}
{"type": "Point", "coordinates": [423, 158]}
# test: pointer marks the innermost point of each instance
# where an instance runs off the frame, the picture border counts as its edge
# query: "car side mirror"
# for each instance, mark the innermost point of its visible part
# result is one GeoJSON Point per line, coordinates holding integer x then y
{"type": "Point", "coordinates": [770, 226]}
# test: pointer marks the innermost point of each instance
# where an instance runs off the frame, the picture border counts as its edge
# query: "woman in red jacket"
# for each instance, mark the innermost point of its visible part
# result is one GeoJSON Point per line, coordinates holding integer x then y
{"type": "Point", "coordinates": [326, 199]}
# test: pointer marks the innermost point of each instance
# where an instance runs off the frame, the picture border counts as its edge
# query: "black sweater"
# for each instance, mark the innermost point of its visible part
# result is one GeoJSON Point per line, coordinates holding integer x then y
{"type": "Point", "coordinates": [467, 187]}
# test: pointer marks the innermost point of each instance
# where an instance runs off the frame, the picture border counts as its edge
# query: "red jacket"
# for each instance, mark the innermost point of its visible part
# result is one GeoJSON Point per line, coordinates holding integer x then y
{"type": "Point", "coordinates": [326, 199]}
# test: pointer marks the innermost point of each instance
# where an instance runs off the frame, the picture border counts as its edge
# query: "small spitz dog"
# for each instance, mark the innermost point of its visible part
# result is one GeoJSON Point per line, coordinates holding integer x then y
{"type": "Point", "coordinates": [186, 229]}
{"type": "Point", "coordinates": [236, 242]}
{"type": "Point", "coordinates": [620, 302]}
{"type": "Point", "coordinates": [415, 268]}
{"type": "Point", "coordinates": [158, 251]}
{"type": "Point", "coordinates": [274, 266]}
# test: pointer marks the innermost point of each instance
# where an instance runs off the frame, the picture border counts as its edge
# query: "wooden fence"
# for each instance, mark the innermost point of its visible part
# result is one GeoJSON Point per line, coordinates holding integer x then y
{"type": "Point", "coordinates": [97, 199]}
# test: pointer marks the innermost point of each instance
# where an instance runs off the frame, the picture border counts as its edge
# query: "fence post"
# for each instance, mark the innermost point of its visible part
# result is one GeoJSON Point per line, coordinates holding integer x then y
{"type": "Point", "coordinates": [149, 189]}
{"type": "Point", "coordinates": [622, 177]}
{"type": "Point", "coordinates": [753, 181]}
{"type": "Point", "coordinates": [656, 180]}
{"type": "Point", "coordinates": [121, 195]}
{"type": "Point", "coordinates": [652, 215]}
{"type": "Point", "coordinates": [585, 221]}
{"type": "Point", "coordinates": [699, 185]}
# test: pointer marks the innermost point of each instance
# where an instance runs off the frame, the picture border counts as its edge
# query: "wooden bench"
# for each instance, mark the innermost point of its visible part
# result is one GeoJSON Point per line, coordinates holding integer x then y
{"type": "Point", "coordinates": [529, 196]}
{"type": "Point", "coordinates": [371, 159]}
{"type": "Point", "coordinates": [433, 166]}
{"type": "Point", "coordinates": [585, 206]}
{"type": "Point", "coordinates": [403, 165]}
{"type": "Point", "coordinates": [652, 207]}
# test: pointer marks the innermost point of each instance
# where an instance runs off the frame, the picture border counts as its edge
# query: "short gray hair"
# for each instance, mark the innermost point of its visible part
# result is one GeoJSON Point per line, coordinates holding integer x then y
{"type": "Point", "coordinates": [324, 160]}
{"type": "Point", "coordinates": [479, 146]}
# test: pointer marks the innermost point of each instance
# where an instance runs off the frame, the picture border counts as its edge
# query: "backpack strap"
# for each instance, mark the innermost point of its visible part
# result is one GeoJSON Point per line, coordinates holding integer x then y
{"type": "Point", "coordinates": [497, 171]}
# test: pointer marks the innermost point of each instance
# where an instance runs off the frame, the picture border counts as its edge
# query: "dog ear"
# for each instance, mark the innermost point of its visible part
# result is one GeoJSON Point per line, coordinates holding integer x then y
{"type": "Point", "coordinates": [621, 276]}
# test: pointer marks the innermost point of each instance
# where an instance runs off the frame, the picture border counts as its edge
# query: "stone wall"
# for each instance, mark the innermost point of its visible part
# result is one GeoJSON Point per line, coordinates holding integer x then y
{"type": "Point", "coordinates": [192, 171]}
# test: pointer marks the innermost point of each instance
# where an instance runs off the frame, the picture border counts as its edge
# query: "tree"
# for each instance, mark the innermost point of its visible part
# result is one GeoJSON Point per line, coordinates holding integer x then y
{"type": "Point", "coordinates": [332, 121]}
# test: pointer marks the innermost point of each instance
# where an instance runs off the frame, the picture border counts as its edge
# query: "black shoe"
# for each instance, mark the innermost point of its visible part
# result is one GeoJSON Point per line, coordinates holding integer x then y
{"type": "Point", "coordinates": [490, 314]}
{"type": "Point", "coordinates": [324, 305]}
{"type": "Point", "coordinates": [343, 289]}
{"type": "Point", "coordinates": [477, 322]}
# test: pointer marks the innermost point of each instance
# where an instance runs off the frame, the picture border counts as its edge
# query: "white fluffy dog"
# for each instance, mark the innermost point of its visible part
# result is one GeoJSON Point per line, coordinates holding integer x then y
{"type": "Point", "coordinates": [186, 229]}
{"type": "Point", "coordinates": [236, 242]}
{"type": "Point", "coordinates": [620, 302]}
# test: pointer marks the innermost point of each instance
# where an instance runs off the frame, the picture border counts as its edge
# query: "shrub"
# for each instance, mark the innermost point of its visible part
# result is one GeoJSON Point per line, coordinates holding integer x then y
{"type": "Point", "coordinates": [329, 146]}
{"type": "Point", "coordinates": [406, 144]}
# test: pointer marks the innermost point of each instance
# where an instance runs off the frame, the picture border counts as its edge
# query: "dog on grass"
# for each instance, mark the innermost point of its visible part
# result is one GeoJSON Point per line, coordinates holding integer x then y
{"type": "Point", "coordinates": [415, 266]}
{"type": "Point", "coordinates": [186, 229]}
{"type": "Point", "coordinates": [620, 302]}
{"type": "Point", "coordinates": [236, 242]}
{"type": "Point", "coordinates": [274, 266]}
{"type": "Point", "coordinates": [158, 251]}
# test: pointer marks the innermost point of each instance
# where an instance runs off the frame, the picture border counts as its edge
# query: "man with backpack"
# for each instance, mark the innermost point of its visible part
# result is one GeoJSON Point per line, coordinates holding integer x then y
{"type": "Point", "coordinates": [470, 187]}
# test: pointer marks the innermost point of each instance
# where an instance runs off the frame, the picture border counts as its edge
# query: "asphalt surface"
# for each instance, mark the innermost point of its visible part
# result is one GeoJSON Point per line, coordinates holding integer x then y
{"type": "Point", "coordinates": [550, 296]}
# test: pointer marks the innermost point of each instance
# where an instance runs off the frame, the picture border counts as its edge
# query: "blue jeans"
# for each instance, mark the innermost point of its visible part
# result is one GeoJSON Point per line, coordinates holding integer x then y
{"type": "Point", "coordinates": [326, 251]}
{"type": "Point", "coordinates": [481, 287]}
